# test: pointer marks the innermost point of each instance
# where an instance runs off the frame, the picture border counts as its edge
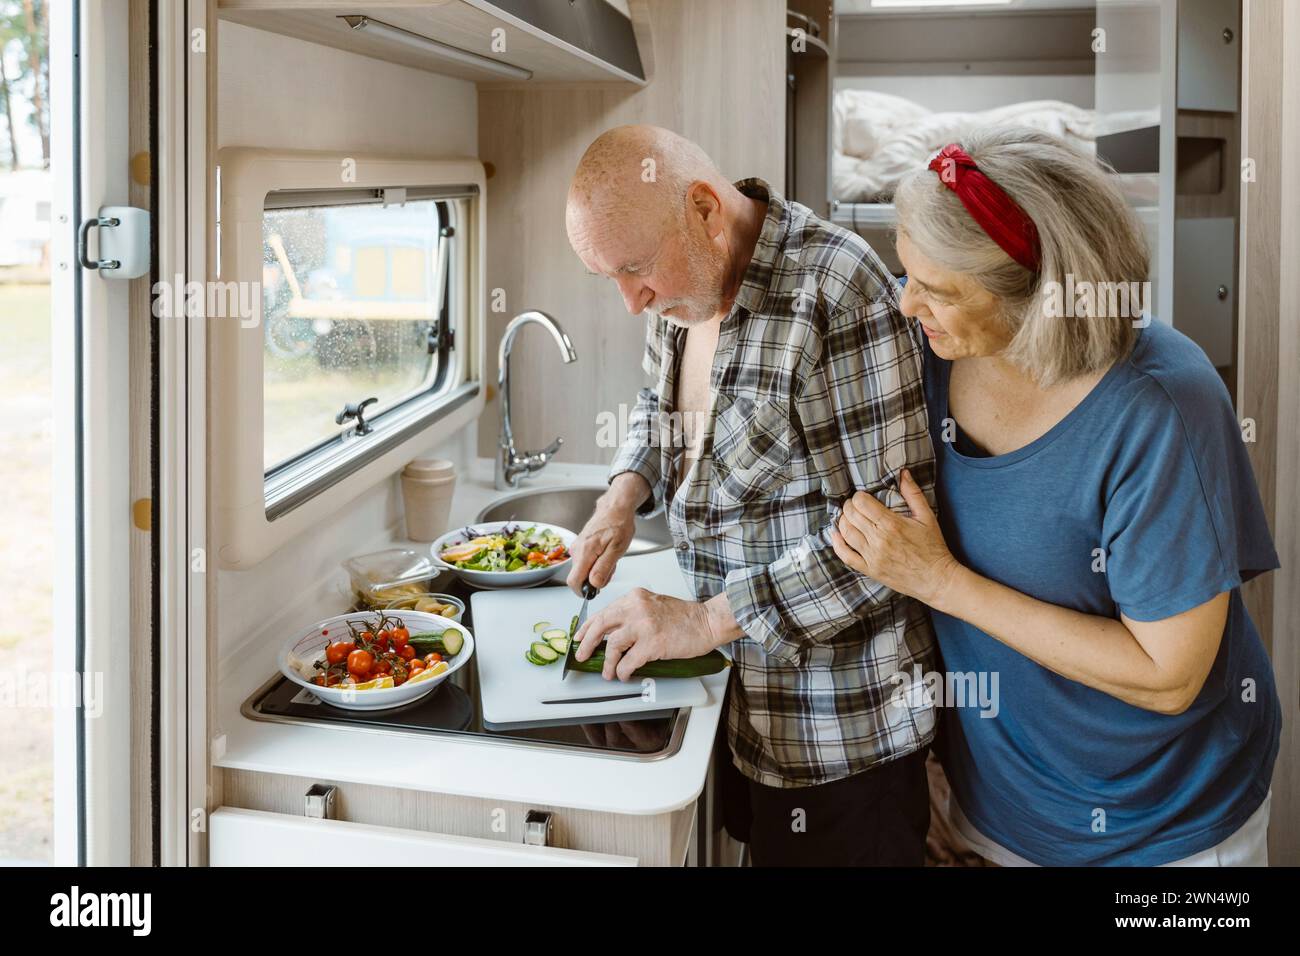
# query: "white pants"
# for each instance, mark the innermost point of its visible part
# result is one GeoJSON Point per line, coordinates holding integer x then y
{"type": "Point", "coordinates": [1248, 846]}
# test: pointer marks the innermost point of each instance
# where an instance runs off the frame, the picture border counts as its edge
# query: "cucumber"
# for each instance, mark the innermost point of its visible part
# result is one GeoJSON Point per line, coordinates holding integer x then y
{"type": "Point", "coordinates": [453, 640]}
{"type": "Point", "coordinates": [543, 652]}
{"type": "Point", "coordinates": [554, 633]}
{"type": "Point", "coordinates": [702, 666]}
{"type": "Point", "coordinates": [541, 626]}
{"type": "Point", "coordinates": [528, 656]}
{"type": "Point", "coordinates": [561, 644]}
{"type": "Point", "coordinates": [448, 642]}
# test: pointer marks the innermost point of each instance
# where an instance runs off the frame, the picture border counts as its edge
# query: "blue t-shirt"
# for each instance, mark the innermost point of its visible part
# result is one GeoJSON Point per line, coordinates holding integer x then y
{"type": "Point", "coordinates": [1150, 468]}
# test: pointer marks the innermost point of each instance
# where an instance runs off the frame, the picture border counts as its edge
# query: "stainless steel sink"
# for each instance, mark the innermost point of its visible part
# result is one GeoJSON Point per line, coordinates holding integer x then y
{"type": "Point", "coordinates": [570, 507]}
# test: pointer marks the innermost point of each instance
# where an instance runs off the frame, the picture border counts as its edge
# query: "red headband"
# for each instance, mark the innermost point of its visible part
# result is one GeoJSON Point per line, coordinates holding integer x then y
{"type": "Point", "coordinates": [995, 211]}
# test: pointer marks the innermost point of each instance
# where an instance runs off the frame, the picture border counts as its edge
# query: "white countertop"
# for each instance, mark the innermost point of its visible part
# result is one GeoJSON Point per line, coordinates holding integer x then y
{"type": "Point", "coordinates": [479, 767]}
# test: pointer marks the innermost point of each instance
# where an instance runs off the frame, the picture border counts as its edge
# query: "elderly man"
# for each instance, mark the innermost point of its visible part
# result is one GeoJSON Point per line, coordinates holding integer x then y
{"type": "Point", "coordinates": [786, 380]}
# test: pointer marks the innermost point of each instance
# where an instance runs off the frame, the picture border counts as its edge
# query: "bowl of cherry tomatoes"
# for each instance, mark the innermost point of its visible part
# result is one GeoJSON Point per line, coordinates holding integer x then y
{"type": "Point", "coordinates": [372, 660]}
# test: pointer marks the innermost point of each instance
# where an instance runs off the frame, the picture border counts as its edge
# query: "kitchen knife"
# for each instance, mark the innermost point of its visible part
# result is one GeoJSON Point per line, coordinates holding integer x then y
{"type": "Point", "coordinates": [595, 700]}
{"type": "Point", "coordinates": [589, 591]}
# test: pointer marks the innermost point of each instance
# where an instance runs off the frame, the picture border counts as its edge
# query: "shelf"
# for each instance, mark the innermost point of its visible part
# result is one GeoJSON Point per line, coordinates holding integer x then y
{"type": "Point", "coordinates": [586, 41]}
{"type": "Point", "coordinates": [1132, 150]}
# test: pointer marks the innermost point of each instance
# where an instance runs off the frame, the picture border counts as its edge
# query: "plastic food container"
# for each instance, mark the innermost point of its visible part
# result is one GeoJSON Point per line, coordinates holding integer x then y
{"type": "Point", "coordinates": [443, 605]}
{"type": "Point", "coordinates": [381, 578]}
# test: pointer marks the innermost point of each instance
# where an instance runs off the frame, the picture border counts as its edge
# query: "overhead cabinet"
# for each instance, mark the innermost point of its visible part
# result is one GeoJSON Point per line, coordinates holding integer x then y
{"type": "Point", "coordinates": [502, 41]}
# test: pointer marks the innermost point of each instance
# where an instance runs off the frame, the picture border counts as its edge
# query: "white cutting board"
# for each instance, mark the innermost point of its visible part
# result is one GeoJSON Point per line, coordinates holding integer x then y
{"type": "Point", "coordinates": [512, 689]}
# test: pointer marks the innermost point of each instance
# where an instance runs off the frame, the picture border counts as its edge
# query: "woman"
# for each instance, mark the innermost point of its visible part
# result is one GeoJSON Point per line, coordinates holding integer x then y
{"type": "Point", "coordinates": [1097, 516]}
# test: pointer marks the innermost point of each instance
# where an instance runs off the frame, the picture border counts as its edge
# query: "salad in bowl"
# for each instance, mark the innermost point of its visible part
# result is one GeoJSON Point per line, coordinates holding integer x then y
{"type": "Point", "coordinates": [503, 554]}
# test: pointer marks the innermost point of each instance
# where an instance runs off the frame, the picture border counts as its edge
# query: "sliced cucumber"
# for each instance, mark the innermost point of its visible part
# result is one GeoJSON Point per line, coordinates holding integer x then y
{"type": "Point", "coordinates": [550, 634]}
{"type": "Point", "coordinates": [453, 640]}
{"type": "Point", "coordinates": [528, 656]}
{"type": "Point", "coordinates": [541, 626]}
{"type": "Point", "coordinates": [543, 652]}
{"type": "Point", "coordinates": [561, 644]}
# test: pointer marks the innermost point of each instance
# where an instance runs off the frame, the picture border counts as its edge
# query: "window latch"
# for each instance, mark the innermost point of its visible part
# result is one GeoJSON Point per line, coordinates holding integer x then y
{"type": "Point", "coordinates": [440, 335]}
{"type": "Point", "coordinates": [356, 410]}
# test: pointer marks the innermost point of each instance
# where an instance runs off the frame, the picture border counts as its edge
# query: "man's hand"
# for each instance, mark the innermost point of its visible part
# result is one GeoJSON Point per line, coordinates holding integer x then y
{"type": "Point", "coordinates": [643, 626]}
{"type": "Point", "coordinates": [608, 533]}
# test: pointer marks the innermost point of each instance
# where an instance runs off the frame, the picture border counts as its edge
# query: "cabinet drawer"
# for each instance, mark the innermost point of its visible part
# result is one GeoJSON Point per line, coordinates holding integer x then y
{"type": "Point", "coordinates": [239, 837]}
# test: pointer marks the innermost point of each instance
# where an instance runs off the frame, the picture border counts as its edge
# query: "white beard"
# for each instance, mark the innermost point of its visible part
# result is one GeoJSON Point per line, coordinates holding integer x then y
{"type": "Point", "coordinates": [704, 264]}
{"type": "Point", "coordinates": [682, 323]}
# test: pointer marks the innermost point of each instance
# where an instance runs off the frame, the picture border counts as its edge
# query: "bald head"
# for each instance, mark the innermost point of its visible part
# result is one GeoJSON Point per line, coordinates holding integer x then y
{"type": "Point", "coordinates": [639, 174]}
{"type": "Point", "coordinates": [648, 209]}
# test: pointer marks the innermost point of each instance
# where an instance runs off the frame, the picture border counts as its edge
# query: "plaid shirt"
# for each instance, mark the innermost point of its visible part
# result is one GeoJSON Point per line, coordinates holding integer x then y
{"type": "Point", "coordinates": [817, 393]}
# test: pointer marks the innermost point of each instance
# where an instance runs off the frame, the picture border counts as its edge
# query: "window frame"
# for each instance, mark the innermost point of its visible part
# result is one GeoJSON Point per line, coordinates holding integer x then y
{"type": "Point", "coordinates": [294, 480]}
{"type": "Point", "coordinates": [437, 372]}
{"type": "Point", "coordinates": [257, 510]}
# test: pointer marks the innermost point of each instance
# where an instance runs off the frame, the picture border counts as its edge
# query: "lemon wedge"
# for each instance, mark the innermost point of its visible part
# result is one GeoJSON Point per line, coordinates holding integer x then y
{"type": "Point", "coordinates": [434, 671]}
{"type": "Point", "coordinates": [378, 683]}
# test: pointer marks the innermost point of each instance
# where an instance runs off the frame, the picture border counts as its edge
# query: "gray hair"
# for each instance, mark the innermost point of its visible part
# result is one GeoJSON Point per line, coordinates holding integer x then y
{"type": "Point", "coordinates": [1088, 235]}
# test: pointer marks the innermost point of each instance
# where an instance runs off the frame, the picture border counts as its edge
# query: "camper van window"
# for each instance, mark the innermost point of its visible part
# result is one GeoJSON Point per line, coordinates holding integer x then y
{"type": "Point", "coordinates": [355, 306]}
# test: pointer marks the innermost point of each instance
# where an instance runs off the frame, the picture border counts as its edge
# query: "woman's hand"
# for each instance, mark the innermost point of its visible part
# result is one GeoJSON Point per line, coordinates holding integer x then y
{"type": "Point", "coordinates": [906, 554]}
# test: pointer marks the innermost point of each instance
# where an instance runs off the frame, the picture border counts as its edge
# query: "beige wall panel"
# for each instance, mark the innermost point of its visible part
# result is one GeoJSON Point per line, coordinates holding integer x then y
{"type": "Point", "coordinates": [716, 71]}
{"type": "Point", "coordinates": [1269, 363]}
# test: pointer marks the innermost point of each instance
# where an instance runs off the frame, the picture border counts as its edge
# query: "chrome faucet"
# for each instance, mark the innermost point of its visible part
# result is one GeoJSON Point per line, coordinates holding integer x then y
{"type": "Point", "coordinates": [511, 464]}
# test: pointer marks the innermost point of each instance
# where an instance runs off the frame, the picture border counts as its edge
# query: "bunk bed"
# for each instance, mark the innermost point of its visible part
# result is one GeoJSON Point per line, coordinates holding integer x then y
{"type": "Point", "coordinates": [878, 138]}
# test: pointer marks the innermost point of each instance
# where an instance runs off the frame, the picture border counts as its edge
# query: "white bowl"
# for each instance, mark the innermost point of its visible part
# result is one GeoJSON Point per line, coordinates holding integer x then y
{"type": "Point", "coordinates": [503, 579]}
{"type": "Point", "coordinates": [308, 646]}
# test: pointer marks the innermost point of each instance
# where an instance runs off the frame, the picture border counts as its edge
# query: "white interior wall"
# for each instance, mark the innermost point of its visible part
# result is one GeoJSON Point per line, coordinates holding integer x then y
{"type": "Point", "coordinates": [275, 91]}
{"type": "Point", "coordinates": [1129, 76]}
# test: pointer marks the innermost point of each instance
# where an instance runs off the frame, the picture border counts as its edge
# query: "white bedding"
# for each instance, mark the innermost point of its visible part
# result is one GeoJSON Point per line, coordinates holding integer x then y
{"type": "Point", "coordinates": [878, 138]}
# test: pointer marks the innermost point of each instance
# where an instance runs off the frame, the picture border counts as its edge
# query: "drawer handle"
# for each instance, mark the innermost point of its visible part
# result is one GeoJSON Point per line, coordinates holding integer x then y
{"type": "Point", "coordinates": [321, 802]}
{"type": "Point", "coordinates": [538, 828]}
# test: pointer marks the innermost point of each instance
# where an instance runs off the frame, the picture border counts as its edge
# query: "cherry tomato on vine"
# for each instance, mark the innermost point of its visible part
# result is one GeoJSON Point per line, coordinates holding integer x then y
{"type": "Point", "coordinates": [360, 663]}
{"type": "Point", "coordinates": [338, 651]}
